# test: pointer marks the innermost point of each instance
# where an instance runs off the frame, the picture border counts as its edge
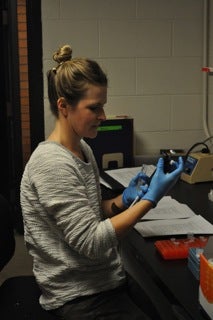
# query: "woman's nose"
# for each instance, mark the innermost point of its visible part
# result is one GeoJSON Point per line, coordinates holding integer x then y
{"type": "Point", "coordinates": [102, 115]}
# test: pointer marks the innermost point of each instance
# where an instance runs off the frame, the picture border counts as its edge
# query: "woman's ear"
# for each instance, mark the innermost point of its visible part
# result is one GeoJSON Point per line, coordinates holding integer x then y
{"type": "Point", "coordinates": [62, 106]}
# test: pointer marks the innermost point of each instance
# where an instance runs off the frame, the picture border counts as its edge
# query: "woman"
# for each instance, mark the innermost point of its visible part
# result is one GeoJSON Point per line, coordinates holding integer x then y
{"type": "Point", "coordinates": [73, 234]}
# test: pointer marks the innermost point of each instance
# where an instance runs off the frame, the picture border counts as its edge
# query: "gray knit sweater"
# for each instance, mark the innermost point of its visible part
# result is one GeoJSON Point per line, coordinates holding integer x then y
{"type": "Point", "coordinates": [74, 247]}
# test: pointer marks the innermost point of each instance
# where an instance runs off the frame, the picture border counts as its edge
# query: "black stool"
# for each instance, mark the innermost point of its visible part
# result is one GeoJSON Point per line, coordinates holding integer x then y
{"type": "Point", "coordinates": [19, 300]}
{"type": "Point", "coordinates": [19, 296]}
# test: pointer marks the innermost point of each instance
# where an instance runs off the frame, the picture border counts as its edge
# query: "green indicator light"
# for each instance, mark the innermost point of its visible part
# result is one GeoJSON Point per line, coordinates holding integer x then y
{"type": "Point", "coordinates": [110, 128]}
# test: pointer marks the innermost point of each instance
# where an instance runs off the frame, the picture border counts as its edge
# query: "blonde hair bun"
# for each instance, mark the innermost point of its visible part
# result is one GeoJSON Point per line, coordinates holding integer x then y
{"type": "Point", "coordinates": [63, 54]}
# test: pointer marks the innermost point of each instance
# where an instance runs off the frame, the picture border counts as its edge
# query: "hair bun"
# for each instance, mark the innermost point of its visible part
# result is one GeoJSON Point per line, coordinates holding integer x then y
{"type": "Point", "coordinates": [63, 54]}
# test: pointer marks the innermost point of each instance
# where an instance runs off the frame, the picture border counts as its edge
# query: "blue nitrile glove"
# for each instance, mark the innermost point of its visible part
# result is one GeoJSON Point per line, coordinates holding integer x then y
{"type": "Point", "coordinates": [136, 188]}
{"type": "Point", "coordinates": [162, 182]}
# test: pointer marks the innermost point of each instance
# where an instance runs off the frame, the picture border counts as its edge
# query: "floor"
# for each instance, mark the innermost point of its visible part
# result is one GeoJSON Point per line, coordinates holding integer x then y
{"type": "Point", "coordinates": [21, 262]}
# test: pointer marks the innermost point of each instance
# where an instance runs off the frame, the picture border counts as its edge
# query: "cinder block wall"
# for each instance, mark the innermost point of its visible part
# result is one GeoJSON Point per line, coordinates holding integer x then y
{"type": "Point", "coordinates": [152, 51]}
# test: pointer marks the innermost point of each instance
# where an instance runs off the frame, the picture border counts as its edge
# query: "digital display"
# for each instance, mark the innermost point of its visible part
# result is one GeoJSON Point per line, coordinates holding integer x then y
{"type": "Point", "coordinates": [110, 128]}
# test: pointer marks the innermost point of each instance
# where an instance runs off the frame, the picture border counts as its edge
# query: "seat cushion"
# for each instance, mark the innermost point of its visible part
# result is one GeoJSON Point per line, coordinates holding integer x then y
{"type": "Point", "coordinates": [19, 300]}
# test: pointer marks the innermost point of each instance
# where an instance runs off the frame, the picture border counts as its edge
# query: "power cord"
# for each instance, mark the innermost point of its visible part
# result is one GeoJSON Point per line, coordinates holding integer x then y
{"type": "Point", "coordinates": [209, 138]}
{"type": "Point", "coordinates": [204, 150]}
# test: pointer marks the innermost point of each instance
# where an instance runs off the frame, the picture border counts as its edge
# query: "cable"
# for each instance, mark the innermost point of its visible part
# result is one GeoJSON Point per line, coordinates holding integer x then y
{"type": "Point", "coordinates": [206, 150]}
{"type": "Point", "coordinates": [210, 142]}
{"type": "Point", "coordinates": [209, 138]}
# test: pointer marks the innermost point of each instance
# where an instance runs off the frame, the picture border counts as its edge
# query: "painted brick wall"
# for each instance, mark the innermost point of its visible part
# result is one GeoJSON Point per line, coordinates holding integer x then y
{"type": "Point", "coordinates": [24, 85]}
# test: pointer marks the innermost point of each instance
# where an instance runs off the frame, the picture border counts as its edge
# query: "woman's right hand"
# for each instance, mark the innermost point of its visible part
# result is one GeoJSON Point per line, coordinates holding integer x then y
{"type": "Point", "coordinates": [162, 182]}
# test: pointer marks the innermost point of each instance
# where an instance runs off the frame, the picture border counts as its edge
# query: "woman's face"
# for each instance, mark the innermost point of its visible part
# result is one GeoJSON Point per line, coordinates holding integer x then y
{"type": "Point", "coordinates": [87, 115]}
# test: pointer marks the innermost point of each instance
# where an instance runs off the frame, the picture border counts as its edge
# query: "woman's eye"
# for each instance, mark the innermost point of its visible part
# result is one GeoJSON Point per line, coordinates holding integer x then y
{"type": "Point", "coordinates": [95, 108]}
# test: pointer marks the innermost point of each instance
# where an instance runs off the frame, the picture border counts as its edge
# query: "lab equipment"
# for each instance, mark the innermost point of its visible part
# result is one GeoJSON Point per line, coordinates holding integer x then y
{"type": "Point", "coordinates": [168, 166]}
{"type": "Point", "coordinates": [194, 261]}
{"type": "Point", "coordinates": [198, 168]}
{"type": "Point", "coordinates": [143, 182]}
{"type": "Point", "coordinates": [210, 195]}
{"type": "Point", "coordinates": [161, 182]}
{"type": "Point", "coordinates": [206, 279]}
{"type": "Point", "coordinates": [136, 189]}
{"type": "Point", "coordinates": [135, 201]}
{"type": "Point", "coordinates": [168, 161]}
{"type": "Point", "coordinates": [113, 145]}
{"type": "Point", "coordinates": [179, 248]}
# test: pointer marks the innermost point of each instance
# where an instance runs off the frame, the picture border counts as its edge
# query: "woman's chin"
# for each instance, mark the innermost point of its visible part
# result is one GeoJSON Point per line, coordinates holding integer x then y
{"type": "Point", "coordinates": [92, 134]}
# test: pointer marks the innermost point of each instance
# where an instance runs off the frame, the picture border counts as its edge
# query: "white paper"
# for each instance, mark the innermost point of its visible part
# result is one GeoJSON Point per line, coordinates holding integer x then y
{"type": "Point", "coordinates": [104, 183]}
{"type": "Point", "coordinates": [194, 225]}
{"type": "Point", "coordinates": [169, 208]}
{"type": "Point", "coordinates": [124, 175]}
